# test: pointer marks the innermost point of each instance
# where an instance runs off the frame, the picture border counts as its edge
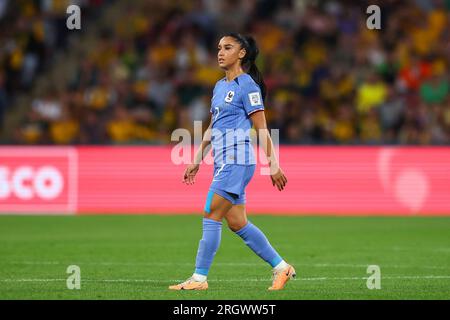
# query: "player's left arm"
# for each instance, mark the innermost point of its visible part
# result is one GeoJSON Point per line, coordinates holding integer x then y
{"type": "Point", "coordinates": [259, 122]}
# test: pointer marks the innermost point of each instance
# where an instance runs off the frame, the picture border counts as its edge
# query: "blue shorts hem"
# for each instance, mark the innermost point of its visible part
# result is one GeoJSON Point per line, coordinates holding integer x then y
{"type": "Point", "coordinates": [224, 194]}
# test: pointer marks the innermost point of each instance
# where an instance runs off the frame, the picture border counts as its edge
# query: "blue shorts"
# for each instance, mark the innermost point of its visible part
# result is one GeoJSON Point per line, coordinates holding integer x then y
{"type": "Point", "coordinates": [229, 181]}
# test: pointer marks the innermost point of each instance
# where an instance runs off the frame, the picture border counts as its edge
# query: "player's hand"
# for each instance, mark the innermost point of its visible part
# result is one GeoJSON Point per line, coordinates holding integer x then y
{"type": "Point", "coordinates": [278, 179]}
{"type": "Point", "coordinates": [189, 173]}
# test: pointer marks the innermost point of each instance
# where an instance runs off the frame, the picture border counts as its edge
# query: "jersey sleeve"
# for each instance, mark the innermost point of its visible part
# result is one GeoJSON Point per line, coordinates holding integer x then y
{"type": "Point", "coordinates": [252, 98]}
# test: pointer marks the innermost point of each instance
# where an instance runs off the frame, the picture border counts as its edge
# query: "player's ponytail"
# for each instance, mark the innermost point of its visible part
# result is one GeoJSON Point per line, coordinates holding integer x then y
{"type": "Point", "coordinates": [248, 62]}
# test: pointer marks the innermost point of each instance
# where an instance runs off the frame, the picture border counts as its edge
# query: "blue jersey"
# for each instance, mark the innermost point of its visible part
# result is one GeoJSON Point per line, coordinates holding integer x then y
{"type": "Point", "coordinates": [231, 106]}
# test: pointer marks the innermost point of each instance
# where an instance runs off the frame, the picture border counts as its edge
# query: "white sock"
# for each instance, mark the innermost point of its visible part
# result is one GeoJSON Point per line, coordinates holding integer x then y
{"type": "Point", "coordinates": [199, 277]}
{"type": "Point", "coordinates": [281, 266]}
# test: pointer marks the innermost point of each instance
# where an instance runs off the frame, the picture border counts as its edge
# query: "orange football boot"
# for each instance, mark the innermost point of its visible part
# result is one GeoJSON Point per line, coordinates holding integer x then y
{"type": "Point", "coordinates": [190, 284]}
{"type": "Point", "coordinates": [280, 278]}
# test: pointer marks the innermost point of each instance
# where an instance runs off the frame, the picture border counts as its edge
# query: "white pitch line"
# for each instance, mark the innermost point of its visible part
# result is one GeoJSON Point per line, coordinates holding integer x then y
{"type": "Point", "coordinates": [230, 264]}
{"type": "Point", "coordinates": [228, 280]}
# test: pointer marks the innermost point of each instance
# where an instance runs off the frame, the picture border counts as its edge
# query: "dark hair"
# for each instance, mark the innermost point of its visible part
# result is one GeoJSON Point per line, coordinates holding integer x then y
{"type": "Point", "coordinates": [248, 62]}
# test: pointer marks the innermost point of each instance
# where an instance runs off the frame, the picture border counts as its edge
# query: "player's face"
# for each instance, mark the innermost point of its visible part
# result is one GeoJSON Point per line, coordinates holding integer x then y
{"type": "Point", "coordinates": [229, 52]}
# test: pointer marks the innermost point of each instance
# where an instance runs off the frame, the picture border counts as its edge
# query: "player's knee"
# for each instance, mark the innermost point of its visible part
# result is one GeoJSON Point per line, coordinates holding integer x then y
{"type": "Point", "coordinates": [213, 214]}
{"type": "Point", "coordinates": [233, 227]}
{"type": "Point", "coordinates": [237, 224]}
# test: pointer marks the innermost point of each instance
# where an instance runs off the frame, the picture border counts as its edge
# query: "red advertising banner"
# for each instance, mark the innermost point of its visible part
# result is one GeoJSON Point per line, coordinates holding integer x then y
{"type": "Point", "coordinates": [38, 180]}
{"type": "Point", "coordinates": [321, 180]}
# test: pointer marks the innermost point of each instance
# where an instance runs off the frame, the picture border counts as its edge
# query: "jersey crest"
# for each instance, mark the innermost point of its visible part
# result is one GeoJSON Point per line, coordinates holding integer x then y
{"type": "Point", "coordinates": [229, 96]}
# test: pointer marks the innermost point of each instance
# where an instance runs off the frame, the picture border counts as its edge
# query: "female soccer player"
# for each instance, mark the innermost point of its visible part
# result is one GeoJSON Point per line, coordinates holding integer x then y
{"type": "Point", "coordinates": [237, 103]}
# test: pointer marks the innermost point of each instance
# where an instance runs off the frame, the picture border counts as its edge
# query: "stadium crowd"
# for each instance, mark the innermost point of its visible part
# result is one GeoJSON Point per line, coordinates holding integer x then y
{"type": "Point", "coordinates": [330, 79]}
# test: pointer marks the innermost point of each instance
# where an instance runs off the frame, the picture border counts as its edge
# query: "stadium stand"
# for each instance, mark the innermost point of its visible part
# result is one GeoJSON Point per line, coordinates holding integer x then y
{"type": "Point", "coordinates": [138, 70]}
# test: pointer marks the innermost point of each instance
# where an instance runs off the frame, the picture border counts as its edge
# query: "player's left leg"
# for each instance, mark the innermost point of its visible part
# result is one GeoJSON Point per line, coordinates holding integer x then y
{"type": "Point", "coordinates": [255, 239]}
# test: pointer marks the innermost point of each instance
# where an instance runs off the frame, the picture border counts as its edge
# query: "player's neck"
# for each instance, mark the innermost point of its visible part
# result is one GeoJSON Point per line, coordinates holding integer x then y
{"type": "Point", "coordinates": [233, 73]}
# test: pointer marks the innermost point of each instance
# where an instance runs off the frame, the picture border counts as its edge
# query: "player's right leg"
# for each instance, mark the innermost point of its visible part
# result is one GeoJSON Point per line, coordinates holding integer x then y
{"type": "Point", "coordinates": [217, 204]}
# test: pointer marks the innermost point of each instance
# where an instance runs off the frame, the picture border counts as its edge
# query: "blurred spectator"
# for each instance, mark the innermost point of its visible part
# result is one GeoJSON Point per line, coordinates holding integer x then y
{"type": "Point", "coordinates": [434, 90]}
{"type": "Point", "coordinates": [3, 100]}
{"type": "Point", "coordinates": [414, 73]}
{"type": "Point", "coordinates": [92, 130]}
{"type": "Point", "coordinates": [371, 93]}
{"type": "Point", "coordinates": [49, 107]}
{"type": "Point", "coordinates": [32, 130]}
{"type": "Point", "coordinates": [121, 127]}
{"type": "Point", "coordinates": [65, 129]}
{"type": "Point", "coordinates": [159, 90]}
{"type": "Point", "coordinates": [3, 6]}
{"type": "Point", "coordinates": [370, 128]}
{"type": "Point", "coordinates": [390, 115]}
{"type": "Point", "coordinates": [344, 129]}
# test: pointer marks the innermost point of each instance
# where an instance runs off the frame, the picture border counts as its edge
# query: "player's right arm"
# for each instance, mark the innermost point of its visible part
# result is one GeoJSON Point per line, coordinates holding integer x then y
{"type": "Point", "coordinates": [276, 174]}
{"type": "Point", "coordinates": [205, 146]}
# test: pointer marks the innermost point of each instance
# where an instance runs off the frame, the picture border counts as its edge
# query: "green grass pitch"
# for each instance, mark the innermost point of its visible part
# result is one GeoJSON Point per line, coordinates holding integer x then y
{"type": "Point", "coordinates": [139, 256]}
